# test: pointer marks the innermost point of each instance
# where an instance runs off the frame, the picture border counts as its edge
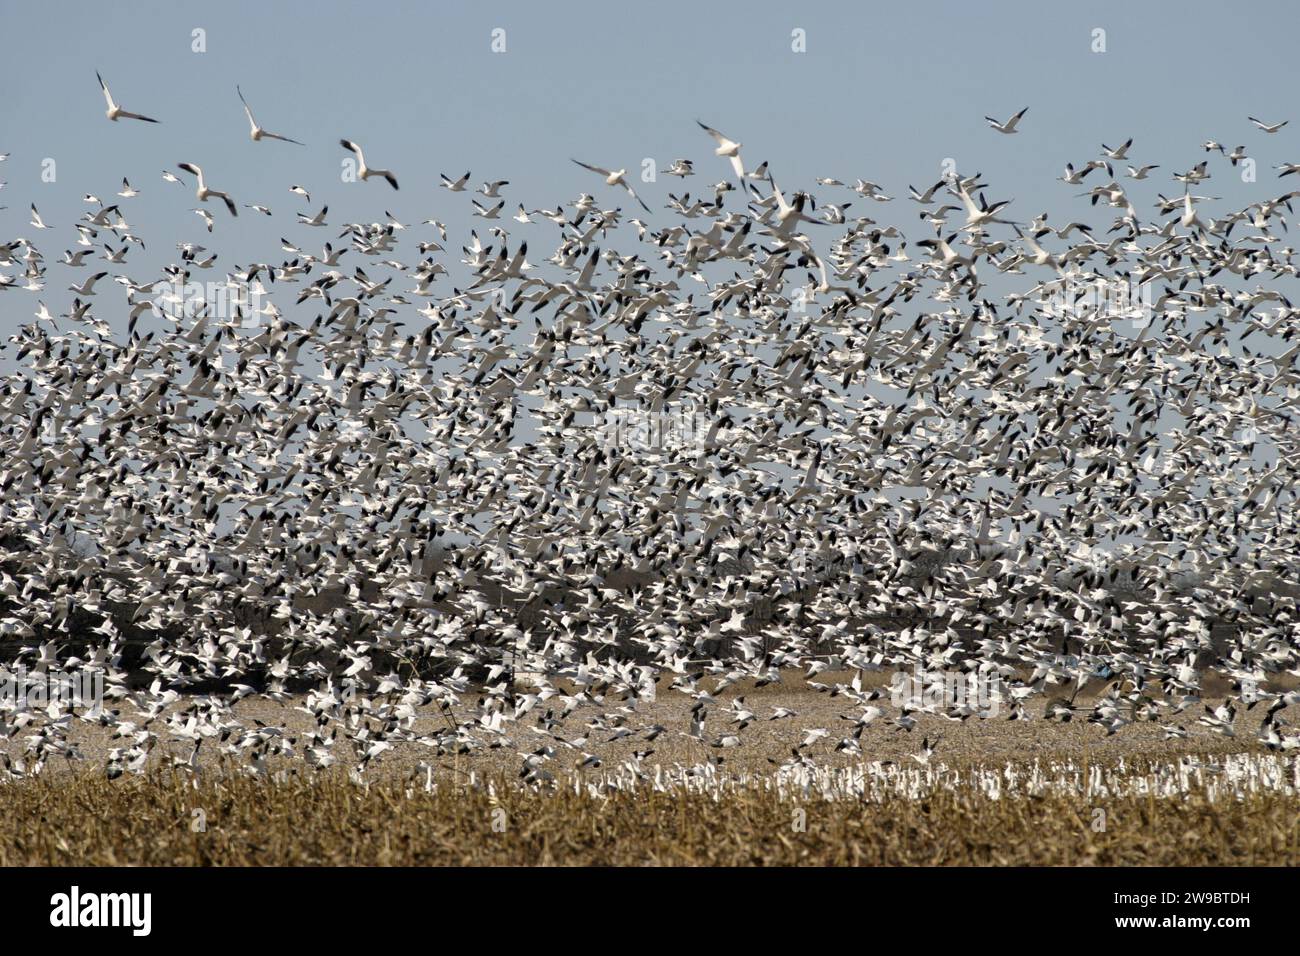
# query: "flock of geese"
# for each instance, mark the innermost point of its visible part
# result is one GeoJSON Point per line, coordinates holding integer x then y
{"type": "Point", "coordinates": [373, 478]}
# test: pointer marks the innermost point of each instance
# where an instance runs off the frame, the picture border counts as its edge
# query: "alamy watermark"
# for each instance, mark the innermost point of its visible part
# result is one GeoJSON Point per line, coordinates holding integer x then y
{"type": "Point", "coordinates": [221, 300]}
{"type": "Point", "coordinates": [808, 566]}
{"type": "Point", "coordinates": [74, 909]}
{"type": "Point", "coordinates": [941, 690]}
{"type": "Point", "coordinates": [679, 428]}
{"type": "Point", "coordinates": [1113, 298]}
{"type": "Point", "coordinates": [21, 689]}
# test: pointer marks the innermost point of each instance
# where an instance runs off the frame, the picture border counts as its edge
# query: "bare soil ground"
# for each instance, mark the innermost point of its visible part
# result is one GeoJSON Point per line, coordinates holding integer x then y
{"type": "Point", "coordinates": [975, 741]}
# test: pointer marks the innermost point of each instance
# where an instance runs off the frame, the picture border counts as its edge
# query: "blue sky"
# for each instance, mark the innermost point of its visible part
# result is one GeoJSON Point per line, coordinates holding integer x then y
{"type": "Point", "coordinates": [884, 91]}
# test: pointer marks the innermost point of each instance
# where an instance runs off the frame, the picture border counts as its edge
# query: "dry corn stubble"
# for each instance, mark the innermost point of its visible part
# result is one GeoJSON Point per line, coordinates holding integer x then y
{"type": "Point", "coordinates": [329, 820]}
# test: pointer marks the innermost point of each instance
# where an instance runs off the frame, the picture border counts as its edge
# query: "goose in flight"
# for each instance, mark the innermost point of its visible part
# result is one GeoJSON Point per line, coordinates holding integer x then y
{"type": "Point", "coordinates": [1075, 177]}
{"type": "Point", "coordinates": [1120, 152]}
{"type": "Point", "coordinates": [926, 752]}
{"type": "Point", "coordinates": [364, 171]}
{"type": "Point", "coordinates": [87, 287]}
{"type": "Point", "coordinates": [728, 148]}
{"type": "Point", "coordinates": [484, 212]}
{"type": "Point", "coordinates": [615, 178]}
{"type": "Point", "coordinates": [1268, 127]}
{"type": "Point", "coordinates": [115, 112]}
{"type": "Point", "coordinates": [316, 220]}
{"type": "Point", "coordinates": [203, 192]}
{"type": "Point", "coordinates": [927, 197]}
{"type": "Point", "coordinates": [978, 216]}
{"type": "Point", "coordinates": [1009, 126]}
{"type": "Point", "coordinates": [1198, 173]}
{"type": "Point", "coordinates": [788, 216]}
{"type": "Point", "coordinates": [257, 133]}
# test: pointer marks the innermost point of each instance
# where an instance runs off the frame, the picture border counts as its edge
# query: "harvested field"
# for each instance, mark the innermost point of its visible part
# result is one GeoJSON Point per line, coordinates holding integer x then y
{"type": "Point", "coordinates": [169, 819]}
{"type": "Point", "coordinates": [993, 792]}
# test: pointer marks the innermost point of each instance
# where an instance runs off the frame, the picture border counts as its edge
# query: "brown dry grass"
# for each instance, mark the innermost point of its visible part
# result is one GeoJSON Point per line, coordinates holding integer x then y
{"type": "Point", "coordinates": [89, 820]}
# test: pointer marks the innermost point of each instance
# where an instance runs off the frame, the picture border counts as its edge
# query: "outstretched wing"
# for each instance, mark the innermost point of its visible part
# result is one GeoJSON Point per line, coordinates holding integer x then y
{"type": "Point", "coordinates": [718, 137]}
{"type": "Point", "coordinates": [283, 139]}
{"type": "Point", "coordinates": [594, 169]}
{"type": "Point", "coordinates": [353, 148]}
{"type": "Point", "coordinates": [247, 111]}
{"type": "Point", "coordinates": [632, 193]}
{"type": "Point", "coordinates": [108, 97]}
